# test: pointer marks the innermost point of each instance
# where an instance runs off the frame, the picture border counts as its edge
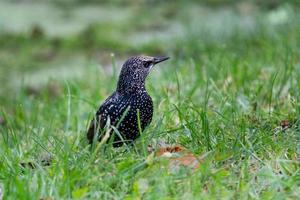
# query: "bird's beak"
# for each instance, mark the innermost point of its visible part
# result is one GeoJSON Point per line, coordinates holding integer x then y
{"type": "Point", "coordinates": [160, 59]}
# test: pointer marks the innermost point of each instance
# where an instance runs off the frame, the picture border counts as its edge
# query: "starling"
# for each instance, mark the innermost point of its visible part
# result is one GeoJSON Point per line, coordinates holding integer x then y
{"type": "Point", "coordinates": [130, 107]}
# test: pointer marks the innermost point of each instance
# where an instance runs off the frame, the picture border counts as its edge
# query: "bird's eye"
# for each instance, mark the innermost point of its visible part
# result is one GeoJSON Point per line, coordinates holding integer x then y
{"type": "Point", "coordinates": [147, 64]}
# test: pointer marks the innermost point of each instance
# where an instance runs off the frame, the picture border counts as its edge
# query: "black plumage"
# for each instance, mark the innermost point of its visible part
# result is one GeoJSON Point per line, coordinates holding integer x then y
{"type": "Point", "coordinates": [127, 103]}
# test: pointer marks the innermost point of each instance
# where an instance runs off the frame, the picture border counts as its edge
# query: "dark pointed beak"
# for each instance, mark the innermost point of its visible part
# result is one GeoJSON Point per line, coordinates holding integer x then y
{"type": "Point", "coordinates": [160, 59]}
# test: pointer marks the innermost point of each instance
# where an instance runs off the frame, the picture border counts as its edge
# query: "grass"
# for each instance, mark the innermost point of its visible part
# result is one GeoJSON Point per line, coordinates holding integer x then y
{"type": "Point", "coordinates": [224, 97]}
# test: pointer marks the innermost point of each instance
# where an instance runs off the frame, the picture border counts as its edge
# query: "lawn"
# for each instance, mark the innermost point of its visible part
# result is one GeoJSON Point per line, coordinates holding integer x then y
{"type": "Point", "coordinates": [229, 95]}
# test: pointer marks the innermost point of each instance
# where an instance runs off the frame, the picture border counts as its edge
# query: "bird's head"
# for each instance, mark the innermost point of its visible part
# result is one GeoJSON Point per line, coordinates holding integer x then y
{"type": "Point", "coordinates": [134, 72]}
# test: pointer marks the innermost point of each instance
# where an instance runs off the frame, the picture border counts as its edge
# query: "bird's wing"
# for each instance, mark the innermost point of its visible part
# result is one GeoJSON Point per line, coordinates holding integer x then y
{"type": "Point", "coordinates": [100, 118]}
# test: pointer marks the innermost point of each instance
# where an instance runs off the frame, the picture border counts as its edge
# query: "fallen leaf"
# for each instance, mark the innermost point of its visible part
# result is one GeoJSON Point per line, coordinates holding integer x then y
{"type": "Point", "coordinates": [179, 157]}
{"type": "Point", "coordinates": [188, 160]}
{"type": "Point", "coordinates": [285, 124]}
{"type": "Point", "coordinates": [168, 150]}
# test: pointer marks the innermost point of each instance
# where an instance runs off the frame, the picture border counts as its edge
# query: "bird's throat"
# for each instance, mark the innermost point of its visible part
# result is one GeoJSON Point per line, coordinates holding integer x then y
{"type": "Point", "coordinates": [130, 87]}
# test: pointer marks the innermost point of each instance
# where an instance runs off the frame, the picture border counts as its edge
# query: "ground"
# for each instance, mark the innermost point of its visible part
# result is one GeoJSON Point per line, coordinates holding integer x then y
{"type": "Point", "coordinates": [229, 96]}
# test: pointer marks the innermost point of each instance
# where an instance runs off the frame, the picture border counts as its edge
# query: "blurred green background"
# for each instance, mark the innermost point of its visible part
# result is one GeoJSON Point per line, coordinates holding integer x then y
{"type": "Point", "coordinates": [57, 39]}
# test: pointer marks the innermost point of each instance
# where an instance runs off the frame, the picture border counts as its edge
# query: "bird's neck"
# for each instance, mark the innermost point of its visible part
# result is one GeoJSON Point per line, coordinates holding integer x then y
{"type": "Point", "coordinates": [130, 87]}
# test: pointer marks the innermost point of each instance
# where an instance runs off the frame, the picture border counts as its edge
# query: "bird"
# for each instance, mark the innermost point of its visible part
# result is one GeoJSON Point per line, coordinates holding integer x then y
{"type": "Point", "coordinates": [129, 108]}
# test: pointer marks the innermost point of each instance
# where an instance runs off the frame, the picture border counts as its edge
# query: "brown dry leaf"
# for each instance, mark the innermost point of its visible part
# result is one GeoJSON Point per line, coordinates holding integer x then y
{"type": "Point", "coordinates": [187, 160]}
{"type": "Point", "coordinates": [285, 124]}
{"type": "Point", "coordinates": [179, 157]}
{"type": "Point", "coordinates": [169, 150]}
